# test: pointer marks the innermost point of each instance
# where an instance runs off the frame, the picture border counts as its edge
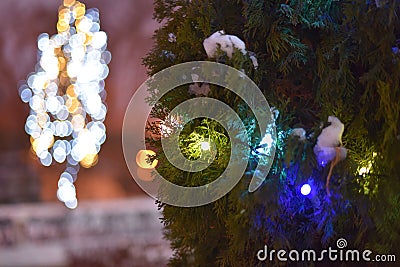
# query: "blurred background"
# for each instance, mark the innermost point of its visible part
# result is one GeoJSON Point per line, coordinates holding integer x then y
{"type": "Point", "coordinates": [115, 223]}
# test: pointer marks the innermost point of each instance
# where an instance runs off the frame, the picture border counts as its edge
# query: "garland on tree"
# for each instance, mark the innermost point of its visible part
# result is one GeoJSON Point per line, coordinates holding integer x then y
{"type": "Point", "coordinates": [316, 62]}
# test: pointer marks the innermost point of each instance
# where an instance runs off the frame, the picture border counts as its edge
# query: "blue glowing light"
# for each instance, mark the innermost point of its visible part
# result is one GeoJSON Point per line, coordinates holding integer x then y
{"type": "Point", "coordinates": [305, 189]}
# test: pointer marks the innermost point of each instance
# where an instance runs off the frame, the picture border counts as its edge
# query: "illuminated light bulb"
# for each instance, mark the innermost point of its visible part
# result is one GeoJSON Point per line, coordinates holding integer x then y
{"type": "Point", "coordinates": [79, 11]}
{"type": "Point", "coordinates": [99, 39]}
{"type": "Point", "coordinates": [43, 42]}
{"type": "Point", "coordinates": [26, 95]}
{"type": "Point", "coordinates": [367, 169]}
{"type": "Point", "coordinates": [141, 159]}
{"type": "Point", "coordinates": [69, 3]}
{"type": "Point", "coordinates": [66, 192]}
{"type": "Point", "coordinates": [59, 154]}
{"type": "Point", "coordinates": [62, 26]}
{"type": "Point", "coordinates": [305, 189]}
{"type": "Point", "coordinates": [52, 105]}
{"type": "Point", "coordinates": [72, 204]}
{"type": "Point", "coordinates": [205, 145]}
{"type": "Point", "coordinates": [72, 104]}
{"type": "Point", "coordinates": [84, 25]}
{"type": "Point", "coordinates": [89, 160]}
{"type": "Point", "coordinates": [36, 103]}
{"type": "Point", "coordinates": [71, 91]}
{"type": "Point", "coordinates": [363, 171]}
{"type": "Point", "coordinates": [45, 158]}
{"type": "Point", "coordinates": [42, 119]}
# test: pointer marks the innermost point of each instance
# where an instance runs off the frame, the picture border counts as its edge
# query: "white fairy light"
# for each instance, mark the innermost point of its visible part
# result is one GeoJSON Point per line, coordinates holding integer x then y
{"type": "Point", "coordinates": [171, 37]}
{"type": "Point", "coordinates": [366, 169]}
{"type": "Point", "coordinates": [305, 189]}
{"type": "Point", "coordinates": [66, 95]}
{"type": "Point", "coordinates": [72, 204]}
{"type": "Point", "coordinates": [205, 145]}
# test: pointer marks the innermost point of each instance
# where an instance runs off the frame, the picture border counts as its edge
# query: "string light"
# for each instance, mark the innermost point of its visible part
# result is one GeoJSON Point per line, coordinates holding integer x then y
{"type": "Point", "coordinates": [205, 145]}
{"type": "Point", "coordinates": [362, 170]}
{"type": "Point", "coordinates": [145, 164]}
{"type": "Point", "coordinates": [305, 189]}
{"type": "Point", "coordinates": [142, 159]}
{"type": "Point", "coordinates": [66, 95]}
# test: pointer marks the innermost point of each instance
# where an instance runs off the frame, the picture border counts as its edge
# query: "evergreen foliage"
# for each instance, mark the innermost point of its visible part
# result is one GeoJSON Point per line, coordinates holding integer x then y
{"type": "Point", "coordinates": [316, 58]}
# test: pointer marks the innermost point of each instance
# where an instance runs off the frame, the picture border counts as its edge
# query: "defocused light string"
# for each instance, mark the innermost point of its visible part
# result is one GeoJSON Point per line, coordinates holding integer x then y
{"type": "Point", "coordinates": [66, 95]}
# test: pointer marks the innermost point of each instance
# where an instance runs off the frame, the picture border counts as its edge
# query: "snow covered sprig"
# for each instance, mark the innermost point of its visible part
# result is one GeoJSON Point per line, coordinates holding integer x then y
{"type": "Point", "coordinates": [299, 132]}
{"type": "Point", "coordinates": [329, 147]}
{"type": "Point", "coordinates": [226, 43]}
{"type": "Point", "coordinates": [329, 142]}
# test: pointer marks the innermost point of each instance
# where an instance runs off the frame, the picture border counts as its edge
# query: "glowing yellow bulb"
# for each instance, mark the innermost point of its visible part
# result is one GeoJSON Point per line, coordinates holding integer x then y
{"type": "Point", "coordinates": [72, 104]}
{"type": "Point", "coordinates": [365, 169]}
{"type": "Point", "coordinates": [64, 15]}
{"type": "Point", "coordinates": [42, 143]}
{"type": "Point", "coordinates": [79, 11]}
{"type": "Point", "coordinates": [142, 157]}
{"type": "Point", "coordinates": [69, 3]}
{"type": "Point", "coordinates": [89, 160]}
{"type": "Point", "coordinates": [34, 144]}
{"type": "Point", "coordinates": [62, 26]}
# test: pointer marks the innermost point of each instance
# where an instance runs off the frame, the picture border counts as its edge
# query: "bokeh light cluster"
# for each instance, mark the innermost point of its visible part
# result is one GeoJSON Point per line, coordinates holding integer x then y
{"type": "Point", "coordinates": [66, 95]}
